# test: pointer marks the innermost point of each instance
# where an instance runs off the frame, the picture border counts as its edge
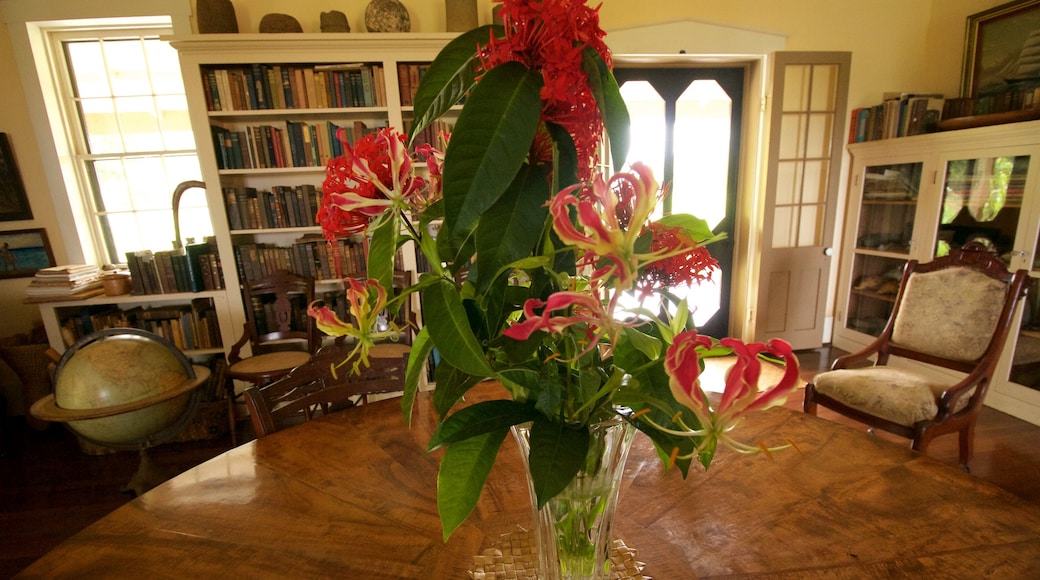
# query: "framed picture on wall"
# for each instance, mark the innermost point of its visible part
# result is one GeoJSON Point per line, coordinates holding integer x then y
{"type": "Point", "coordinates": [23, 252]}
{"type": "Point", "coordinates": [14, 204]}
{"type": "Point", "coordinates": [1002, 46]}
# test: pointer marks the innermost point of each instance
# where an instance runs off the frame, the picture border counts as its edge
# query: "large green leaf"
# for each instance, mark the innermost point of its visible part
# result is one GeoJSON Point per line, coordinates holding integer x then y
{"type": "Point", "coordinates": [449, 77]}
{"type": "Point", "coordinates": [450, 331]}
{"type": "Point", "coordinates": [478, 419]}
{"type": "Point", "coordinates": [381, 252]}
{"type": "Point", "coordinates": [420, 351]}
{"type": "Point", "coordinates": [695, 227]}
{"type": "Point", "coordinates": [611, 105]}
{"type": "Point", "coordinates": [452, 385]}
{"type": "Point", "coordinates": [557, 453]}
{"type": "Point", "coordinates": [489, 143]}
{"type": "Point", "coordinates": [510, 229]}
{"type": "Point", "coordinates": [464, 469]}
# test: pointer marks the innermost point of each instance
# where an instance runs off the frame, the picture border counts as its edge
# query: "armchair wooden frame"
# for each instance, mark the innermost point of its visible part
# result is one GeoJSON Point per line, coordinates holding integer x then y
{"type": "Point", "coordinates": [312, 389]}
{"type": "Point", "coordinates": [953, 414]}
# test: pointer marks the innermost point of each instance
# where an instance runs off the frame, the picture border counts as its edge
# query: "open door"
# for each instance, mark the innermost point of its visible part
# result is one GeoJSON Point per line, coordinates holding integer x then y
{"type": "Point", "coordinates": [807, 125]}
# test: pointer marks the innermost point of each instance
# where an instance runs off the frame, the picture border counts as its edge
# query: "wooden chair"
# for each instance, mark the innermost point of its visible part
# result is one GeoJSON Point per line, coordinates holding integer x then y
{"type": "Point", "coordinates": [277, 330]}
{"type": "Point", "coordinates": [311, 390]}
{"type": "Point", "coordinates": [954, 312]}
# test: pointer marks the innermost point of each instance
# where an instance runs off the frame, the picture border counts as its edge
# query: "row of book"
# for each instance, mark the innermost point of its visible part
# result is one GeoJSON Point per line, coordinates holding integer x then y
{"type": "Point", "coordinates": [898, 115]}
{"type": "Point", "coordinates": [195, 268]}
{"type": "Point", "coordinates": [409, 74]}
{"type": "Point", "coordinates": [265, 87]}
{"type": "Point", "coordinates": [432, 133]}
{"type": "Point", "coordinates": [310, 256]}
{"type": "Point", "coordinates": [284, 144]}
{"type": "Point", "coordinates": [1022, 96]}
{"type": "Point", "coordinates": [284, 206]}
{"type": "Point", "coordinates": [189, 327]}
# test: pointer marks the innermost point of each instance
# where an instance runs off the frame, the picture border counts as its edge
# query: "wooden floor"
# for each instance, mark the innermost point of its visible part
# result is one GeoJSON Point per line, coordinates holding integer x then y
{"type": "Point", "coordinates": [50, 489]}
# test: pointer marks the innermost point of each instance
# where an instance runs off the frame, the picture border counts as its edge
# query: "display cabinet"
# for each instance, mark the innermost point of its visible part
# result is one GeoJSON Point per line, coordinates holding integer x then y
{"type": "Point", "coordinates": [916, 197]}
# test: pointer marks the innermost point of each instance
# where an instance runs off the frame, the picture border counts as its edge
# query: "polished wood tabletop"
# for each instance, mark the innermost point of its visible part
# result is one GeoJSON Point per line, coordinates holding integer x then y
{"type": "Point", "coordinates": [352, 495]}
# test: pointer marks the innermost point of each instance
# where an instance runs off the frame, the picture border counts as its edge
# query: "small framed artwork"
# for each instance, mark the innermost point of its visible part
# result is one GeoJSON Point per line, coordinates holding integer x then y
{"type": "Point", "coordinates": [14, 204]}
{"type": "Point", "coordinates": [1002, 46]}
{"type": "Point", "coordinates": [23, 252]}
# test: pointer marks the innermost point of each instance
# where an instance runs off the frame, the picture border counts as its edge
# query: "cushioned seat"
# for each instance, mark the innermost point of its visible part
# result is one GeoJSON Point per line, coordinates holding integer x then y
{"type": "Point", "coordinates": [954, 312]}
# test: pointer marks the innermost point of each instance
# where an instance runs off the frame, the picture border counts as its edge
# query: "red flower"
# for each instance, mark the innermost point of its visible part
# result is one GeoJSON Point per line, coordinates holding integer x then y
{"type": "Point", "coordinates": [692, 264]}
{"type": "Point", "coordinates": [550, 36]}
{"type": "Point", "coordinates": [369, 178]}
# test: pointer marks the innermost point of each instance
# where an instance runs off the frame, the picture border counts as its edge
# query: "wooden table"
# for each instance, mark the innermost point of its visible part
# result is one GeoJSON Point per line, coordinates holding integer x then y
{"type": "Point", "coordinates": [352, 495]}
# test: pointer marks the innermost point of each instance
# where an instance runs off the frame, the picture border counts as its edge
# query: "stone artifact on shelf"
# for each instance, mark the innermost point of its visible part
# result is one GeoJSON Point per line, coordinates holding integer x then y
{"type": "Point", "coordinates": [215, 17]}
{"type": "Point", "coordinates": [334, 21]}
{"type": "Point", "coordinates": [276, 22]}
{"type": "Point", "coordinates": [387, 16]}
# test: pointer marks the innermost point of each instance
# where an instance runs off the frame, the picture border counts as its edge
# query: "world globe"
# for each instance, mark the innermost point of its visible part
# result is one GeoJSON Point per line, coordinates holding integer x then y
{"type": "Point", "coordinates": [122, 387]}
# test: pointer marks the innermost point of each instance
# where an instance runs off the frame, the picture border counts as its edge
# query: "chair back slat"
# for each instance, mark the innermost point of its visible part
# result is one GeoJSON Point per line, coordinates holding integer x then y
{"type": "Point", "coordinates": [317, 388]}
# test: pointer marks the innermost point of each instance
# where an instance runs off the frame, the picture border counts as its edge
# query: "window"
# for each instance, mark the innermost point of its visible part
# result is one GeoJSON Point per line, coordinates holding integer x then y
{"type": "Point", "coordinates": [130, 138]}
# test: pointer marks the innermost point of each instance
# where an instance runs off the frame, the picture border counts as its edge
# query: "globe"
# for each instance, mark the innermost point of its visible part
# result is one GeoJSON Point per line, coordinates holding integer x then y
{"type": "Point", "coordinates": [121, 387]}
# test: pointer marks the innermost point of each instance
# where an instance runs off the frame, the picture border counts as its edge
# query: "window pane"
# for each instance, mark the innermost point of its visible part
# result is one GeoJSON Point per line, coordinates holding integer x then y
{"type": "Point", "coordinates": [824, 87]}
{"type": "Point", "coordinates": [148, 184]}
{"type": "Point", "coordinates": [90, 78]}
{"type": "Point", "coordinates": [110, 183]}
{"type": "Point", "coordinates": [792, 135]}
{"type": "Point", "coordinates": [127, 69]}
{"type": "Point", "coordinates": [175, 123]}
{"type": "Point", "coordinates": [101, 126]}
{"type": "Point", "coordinates": [164, 68]}
{"type": "Point", "coordinates": [788, 182]}
{"type": "Point", "coordinates": [797, 80]}
{"type": "Point", "coordinates": [646, 109]}
{"type": "Point", "coordinates": [702, 140]}
{"type": "Point", "coordinates": [784, 227]}
{"type": "Point", "coordinates": [139, 125]}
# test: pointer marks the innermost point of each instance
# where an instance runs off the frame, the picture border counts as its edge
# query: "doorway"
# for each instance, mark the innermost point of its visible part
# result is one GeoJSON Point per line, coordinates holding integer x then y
{"type": "Point", "coordinates": [686, 125]}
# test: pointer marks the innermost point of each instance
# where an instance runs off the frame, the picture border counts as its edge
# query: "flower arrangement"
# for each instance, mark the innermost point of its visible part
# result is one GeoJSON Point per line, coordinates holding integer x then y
{"type": "Point", "coordinates": [531, 249]}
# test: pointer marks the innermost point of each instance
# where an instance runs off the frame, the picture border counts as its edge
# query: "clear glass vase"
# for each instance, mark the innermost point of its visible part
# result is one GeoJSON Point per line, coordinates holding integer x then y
{"type": "Point", "coordinates": [573, 529]}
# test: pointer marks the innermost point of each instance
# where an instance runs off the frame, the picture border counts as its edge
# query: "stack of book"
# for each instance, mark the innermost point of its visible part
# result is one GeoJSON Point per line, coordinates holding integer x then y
{"type": "Point", "coordinates": [64, 281]}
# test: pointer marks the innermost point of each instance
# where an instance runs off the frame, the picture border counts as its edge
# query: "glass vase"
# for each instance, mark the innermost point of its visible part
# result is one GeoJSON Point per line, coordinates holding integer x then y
{"type": "Point", "coordinates": [573, 530]}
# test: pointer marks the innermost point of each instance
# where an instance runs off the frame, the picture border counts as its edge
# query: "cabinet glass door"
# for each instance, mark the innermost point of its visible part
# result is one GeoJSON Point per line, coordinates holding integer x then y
{"type": "Point", "coordinates": [982, 202]}
{"type": "Point", "coordinates": [884, 239]}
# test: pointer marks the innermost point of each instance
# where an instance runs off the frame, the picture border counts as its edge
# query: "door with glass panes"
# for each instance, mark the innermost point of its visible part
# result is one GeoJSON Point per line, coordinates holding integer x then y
{"type": "Point", "coordinates": [686, 125]}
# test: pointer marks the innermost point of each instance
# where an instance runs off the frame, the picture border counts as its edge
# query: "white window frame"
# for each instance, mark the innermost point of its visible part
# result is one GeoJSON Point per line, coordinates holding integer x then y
{"type": "Point", "coordinates": [30, 24]}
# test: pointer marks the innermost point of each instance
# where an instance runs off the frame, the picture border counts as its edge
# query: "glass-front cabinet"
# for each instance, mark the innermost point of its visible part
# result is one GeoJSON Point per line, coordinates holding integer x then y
{"type": "Point", "coordinates": [884, 240]}
{"type": "Point", "coordinates": [917, 198]}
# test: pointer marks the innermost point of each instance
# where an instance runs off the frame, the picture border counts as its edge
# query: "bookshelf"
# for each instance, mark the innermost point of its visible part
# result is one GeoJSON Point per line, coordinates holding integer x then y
{"type": "Point", "coordinates": [265, 109]}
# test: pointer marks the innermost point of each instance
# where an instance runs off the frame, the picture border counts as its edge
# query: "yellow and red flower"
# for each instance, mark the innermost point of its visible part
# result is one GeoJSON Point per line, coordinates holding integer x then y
{"type": "Point", "coordinates": [369, 178]}
{"type": "Point", "coordinates": [741, 395]}
{"type": "Point", "coordinates": [366, 301]}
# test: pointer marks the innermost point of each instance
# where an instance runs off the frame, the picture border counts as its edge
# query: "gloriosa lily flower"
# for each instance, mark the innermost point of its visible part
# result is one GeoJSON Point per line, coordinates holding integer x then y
{"type": "Point", "coordinates": [370, 178]}
{"type": "Point", "coordinates": [587, 313]}
{"type": "Point", "coordinates": [610, 220]}
{"type": "Point", "coordinates": [366, 301]}
{"type": "Point", "coordinates": [741, 395]}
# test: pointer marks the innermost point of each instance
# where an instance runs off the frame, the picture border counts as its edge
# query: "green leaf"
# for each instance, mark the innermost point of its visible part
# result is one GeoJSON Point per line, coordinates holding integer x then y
{"type": "Point", "coordinates": [449, 77]}
{"type": "Point", "coordinates": [611, 105]}
{"type": "Point", "coordinates": [450, 331]}
{"type": "Point", "coordinates": [452, 385]}
{"type": "Point", "coordinates": [557, 453]}
{"type": "Point", "coordinates": [478, 419]}
{"type": "Point", "coordinates": [464, 469]}
{"type": "Point", "coordinates": [510, 229]}
{"type": "Point", "coordinates": [420, 351]}
{"type": "Point", "coordinates": [694, 227]}
{"type": "Point", "coordinates": [489, 143]}
{"type": "Point", "coordinates": [381, 252]}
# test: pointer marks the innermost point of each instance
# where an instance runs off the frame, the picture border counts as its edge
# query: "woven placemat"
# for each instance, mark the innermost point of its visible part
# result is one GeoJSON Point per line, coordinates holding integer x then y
{"type": "Point", "coordinates": [513, 557]}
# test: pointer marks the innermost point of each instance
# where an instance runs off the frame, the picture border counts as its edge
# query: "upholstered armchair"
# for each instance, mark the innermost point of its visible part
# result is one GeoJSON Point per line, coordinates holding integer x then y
{"type": "Point", "coordinates": [954, 312]}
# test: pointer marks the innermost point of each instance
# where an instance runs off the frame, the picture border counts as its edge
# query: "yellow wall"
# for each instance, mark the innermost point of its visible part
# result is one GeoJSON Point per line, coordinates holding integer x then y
{"type": "Point", "coordinates": [897, 45]}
